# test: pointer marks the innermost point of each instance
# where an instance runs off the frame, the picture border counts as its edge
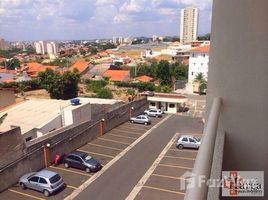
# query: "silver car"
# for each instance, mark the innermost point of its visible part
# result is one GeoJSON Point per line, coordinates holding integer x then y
{"type": "Point", "coordinates": [153, 112]}
{"type": "Point", "coordinates": [44, 181]}
{"type": "Point", "coordinates": [141, 119]}
{"type": "Point", "coordinates": [188, 141]}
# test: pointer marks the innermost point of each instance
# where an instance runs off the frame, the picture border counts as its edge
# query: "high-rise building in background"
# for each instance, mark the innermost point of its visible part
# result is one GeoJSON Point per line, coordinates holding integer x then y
{"type": "Point", "coordinates": [189, 25]}
{"type": "Point", "coordinates": [3, 44]}
{"type": "Point", "coordinates": [114, 40]}
{"type": "Point", "coordinates": [52, 48]}
{"type": "Point", "coordinates": [120, 40]}
{"type": "Point", "coordinates": [42, 47]}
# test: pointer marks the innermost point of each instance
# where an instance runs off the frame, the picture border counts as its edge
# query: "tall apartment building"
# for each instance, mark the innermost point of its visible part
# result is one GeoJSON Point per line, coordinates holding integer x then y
{"type": "Point", "coordinates": [114, 40]}
{"type": "Point", "coordinates": [40, 47]}
{"type": "Point", "coordinates": [43, 47]}
{"type": "Point", "coordinates": [189, 24]}
{"type": "Point", "coordinates": [3, 44]}
{"type": "Point", "coordinates": [52, 48]}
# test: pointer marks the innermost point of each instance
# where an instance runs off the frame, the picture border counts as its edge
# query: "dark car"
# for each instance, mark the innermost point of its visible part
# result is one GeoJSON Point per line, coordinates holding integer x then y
{"type": "Point", "coordinates": [81, 160]}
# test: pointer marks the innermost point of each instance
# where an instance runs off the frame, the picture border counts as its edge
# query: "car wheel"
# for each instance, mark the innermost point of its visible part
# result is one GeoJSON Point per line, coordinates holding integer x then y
{"type": "Point", "coordinates": [66, 165]}
{"type": "Point", "coordinates": [132, 121]}
{"type": "Point", "coordinates": [23, 186]}
{"type": "Point", "coordinates": [157, 116]}
{"type": "Point", "coordinates": [145, 123]}
{"type": "Point", "coordinates": [88, 170]}
{"type": "Point", "coordinates": [46, 193]}
{"type": "Point", "coordinates": [180, 146]}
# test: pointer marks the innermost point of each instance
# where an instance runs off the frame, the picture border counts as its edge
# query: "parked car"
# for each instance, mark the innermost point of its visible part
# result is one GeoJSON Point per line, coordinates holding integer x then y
{"type": "Point", "coordinates": [81, 160]}
{"type": "Point", "coordinates": [141, 119]}
{"type": "Point", "coordinates": [153, 112]}
{"type": "Point", "coordinates": [188, 141]}
{"type": "Point", "coordinates": [44, 181]}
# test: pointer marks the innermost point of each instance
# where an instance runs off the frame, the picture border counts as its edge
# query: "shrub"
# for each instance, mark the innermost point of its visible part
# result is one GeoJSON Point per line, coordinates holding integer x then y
{"type": "Point", "coordinates": [104, 94]}
{"type": "Point", "coordinates": [95, 86]}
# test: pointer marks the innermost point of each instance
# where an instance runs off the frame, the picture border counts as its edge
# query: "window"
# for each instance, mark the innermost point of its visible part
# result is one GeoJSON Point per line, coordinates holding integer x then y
{"type": "Point", "coordinates": [152, 103]}
{"type": "Point", "coordinates": [71, 157]}
{"type": "Point", "coordinates": [204, 55]}
{"type": "Point", "coordinates": [28, 139]}
{"type": "Point", "coordinates": [138, 117]}
{"type": "Point", "coordinates": [191, 140]}
{"type": "Point", "coordinates": [77, 159]}
{"type": "Point", "coordinates": [185, 139]}
{"type": "Point", "coordinates": [34, 179]}
{"type": "Point", "coordinates": [192, 73]}
{"type": "Point", "coordinates": [43, 181]}
{"type": "Point", "coordinates": [55, 178]}
{"type": "Point", "coordinates": [172, 105]}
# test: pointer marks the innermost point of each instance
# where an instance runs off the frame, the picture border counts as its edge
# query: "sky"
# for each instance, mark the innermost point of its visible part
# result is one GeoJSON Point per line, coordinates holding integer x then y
{"type": "Point", "coordinates": [24, 20]}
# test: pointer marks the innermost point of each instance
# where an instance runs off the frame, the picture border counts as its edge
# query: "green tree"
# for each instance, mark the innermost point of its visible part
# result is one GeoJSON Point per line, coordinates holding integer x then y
{"type": "Point", "coordinates": [59, 86]}
{"type": "Point", "coordinates": [104, 94]}
{"type": "Point", "coordinates": [201, 81]}
{"type": "Point", "coordinates": [163, 72]}
{"type": "Point", "coordinates": [180, 71]}
{"type": "Point", "coordinates": [11, 64]}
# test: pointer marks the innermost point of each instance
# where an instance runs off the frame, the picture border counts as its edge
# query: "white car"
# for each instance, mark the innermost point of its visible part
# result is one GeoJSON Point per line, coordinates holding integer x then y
{"type": "Point", "coordinates": [188, 141]}
{"type": "Point", "coordinates": [153, 112]}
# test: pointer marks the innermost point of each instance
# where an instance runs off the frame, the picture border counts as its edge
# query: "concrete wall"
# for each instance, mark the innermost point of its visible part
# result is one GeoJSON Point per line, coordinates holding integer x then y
{"type": "Point", "coordinates": [238, 73]}
{"type": "Point", "coordinates": [7, 97]}
{"type": "Point", "coordinates": [11, 146]}
{"type": "Point", "coordinates": [63, 141]}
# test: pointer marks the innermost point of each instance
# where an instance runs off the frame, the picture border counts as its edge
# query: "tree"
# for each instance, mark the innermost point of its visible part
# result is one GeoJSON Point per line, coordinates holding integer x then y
{"type": "Point", "coordinates": [105, 94]}
{"type": "Point", "coordinates": [201, 81]}
{"type": "Point", "coordinates": [59, 86]}
{"type": "Point", "coordinates": [180, 71]}
{"type": "Point", "coordinates": [11, 64]}
{"type": "Point", "coordinates": [163, 72]}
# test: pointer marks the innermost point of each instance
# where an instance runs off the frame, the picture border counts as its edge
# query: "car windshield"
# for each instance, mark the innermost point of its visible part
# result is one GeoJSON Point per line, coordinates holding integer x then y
{"type": "Point", "coordinates": [54, 178]}
{"type": "Point", "coordinates": [86, 157]}
{"type": "Point", "coordinates": [197, 139]}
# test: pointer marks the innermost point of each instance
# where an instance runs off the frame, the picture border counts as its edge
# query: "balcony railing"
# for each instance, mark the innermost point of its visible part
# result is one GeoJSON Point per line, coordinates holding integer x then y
{"type": "Point", "coordinates": [209, 159]}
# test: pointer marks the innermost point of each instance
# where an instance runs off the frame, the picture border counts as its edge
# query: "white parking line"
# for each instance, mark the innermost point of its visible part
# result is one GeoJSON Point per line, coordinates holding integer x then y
{"type": "Point", "coordinates": [121, 136]}
{"type": "Point", "coordinates": [104, 139]}
{"type": "Point", "coordinates": [108, 165]}
{"type": "Point", "coordinates": [103, 146]}
{"type": "Point", "coordinates": [143, 180]}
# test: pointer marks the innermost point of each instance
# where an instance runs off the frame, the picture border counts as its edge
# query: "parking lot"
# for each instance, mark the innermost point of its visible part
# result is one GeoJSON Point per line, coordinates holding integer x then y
{"type": "Point", "coordinates": [104, 148]}
{"type": "Point", "coordinates": [166, 179]}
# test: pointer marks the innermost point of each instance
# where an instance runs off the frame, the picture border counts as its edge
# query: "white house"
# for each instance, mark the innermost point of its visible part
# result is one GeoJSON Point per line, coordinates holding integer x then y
{"type": "Point", "coordinates": [169, 103]}
{"type": "Point", "coordinates": [198, 62]}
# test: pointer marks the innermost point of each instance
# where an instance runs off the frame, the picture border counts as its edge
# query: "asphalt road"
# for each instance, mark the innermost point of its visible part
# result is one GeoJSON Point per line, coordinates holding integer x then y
{"type": "Point", "coordinates": [118, 181]}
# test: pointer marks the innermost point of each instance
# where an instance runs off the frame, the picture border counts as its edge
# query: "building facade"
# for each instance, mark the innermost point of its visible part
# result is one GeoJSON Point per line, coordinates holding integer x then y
{"type": "Point", "coordinates": [52, 48]}
{"type": "Point", "coordinates": [198, 62]}
{"type": "Point", "coordinates": [188, 25]}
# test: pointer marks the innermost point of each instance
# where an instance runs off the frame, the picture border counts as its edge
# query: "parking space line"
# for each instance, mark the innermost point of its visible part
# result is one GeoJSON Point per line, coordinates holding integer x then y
{"type": "Point", "coordinates": [72, 187]}
{"type": "Point", "coordinates": [128, 132]}
{"type": "Point", "coordinates": [171, 177]}
{"type": "Point", "coordinates": [100, 154]}
{"type": "Point", "coordinates": [114, 160]}
{"type": "Point", "coordinates": [178, 157]}
{"type": "Point", "coordinates": [175, 166]}
{"type": "Point", "coordinates": [163, 190]}
{"type": "Point", "coordinates": [98, 145]}
{"type": "Point", "coordinates": [173, 149]}
{"type": "Point", "coordinates": [69, 170]}
{"type": "Point", "coordinates": [24, 194]}
{"type": "Point", "coordinates": [135, 128]}
{"type": "Point", "coordinates": [122, 136]}
{"type": "Point", "coordinates": [150, 171]}
{"type": "Point", "coordinates": [126, 143]}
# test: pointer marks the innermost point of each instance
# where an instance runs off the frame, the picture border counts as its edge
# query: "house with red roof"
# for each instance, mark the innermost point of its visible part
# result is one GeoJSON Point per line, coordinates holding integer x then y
{"type": "Point", "coordinates": [144, 79]}
{"type": "Point", "coordinates": [33, 68]}
{"type": "Point", "coordinates": [117, 75]}
{"type": "Point", "coordinates": [81, 66]}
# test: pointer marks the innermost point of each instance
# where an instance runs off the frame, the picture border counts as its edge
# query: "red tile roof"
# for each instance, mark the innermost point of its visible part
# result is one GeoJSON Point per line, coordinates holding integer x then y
{"type": "Point", "coordinates": [117, 75]}
{"type": "Point", "coordinates": [144, 78]}
{"type": "Point", "coordinates": [201, 49]}
{"type": "Point", "coordinates": [81, 66]}
{"type": "Point", "coordinates": [6, 71]}
{"type": "Point", "coordinates": [34, 68]}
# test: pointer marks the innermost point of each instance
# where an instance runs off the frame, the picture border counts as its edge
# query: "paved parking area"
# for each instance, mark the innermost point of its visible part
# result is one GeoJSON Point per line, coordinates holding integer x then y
{"type": "Point", "coordinates": [167, 178]}
{"type": "Point", "coordinates": [104, 148]}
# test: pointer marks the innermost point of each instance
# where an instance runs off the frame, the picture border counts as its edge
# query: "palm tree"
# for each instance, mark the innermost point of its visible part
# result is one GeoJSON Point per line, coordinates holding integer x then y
{"type": "Point", "coordinates": [201, 81]}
